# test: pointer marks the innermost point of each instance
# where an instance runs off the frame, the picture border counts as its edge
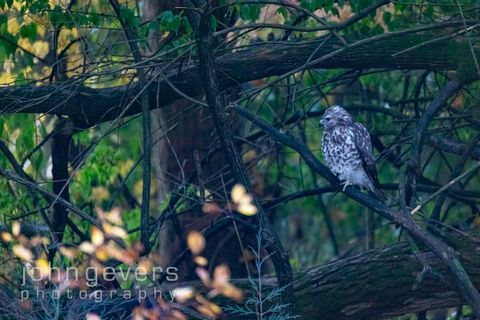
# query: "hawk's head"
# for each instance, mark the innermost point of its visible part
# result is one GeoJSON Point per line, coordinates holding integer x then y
{"type": "Point", "coordinates": [334, 116]}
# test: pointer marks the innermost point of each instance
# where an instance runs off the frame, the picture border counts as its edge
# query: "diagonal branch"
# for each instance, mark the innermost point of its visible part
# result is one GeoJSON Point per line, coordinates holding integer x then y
{"type": "Point", "coordinates": [49, 195]}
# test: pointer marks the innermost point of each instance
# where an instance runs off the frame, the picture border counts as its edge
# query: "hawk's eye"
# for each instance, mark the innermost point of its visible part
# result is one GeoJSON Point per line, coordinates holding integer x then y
{"type": "Point", "coordinates": [328, 118]}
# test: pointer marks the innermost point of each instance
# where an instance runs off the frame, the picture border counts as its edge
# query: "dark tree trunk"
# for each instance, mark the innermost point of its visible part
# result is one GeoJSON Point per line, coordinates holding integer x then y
{"type": "Point", "coordinates": [60, 147]}
{"type": "Point", "coordinates": [191, 132]}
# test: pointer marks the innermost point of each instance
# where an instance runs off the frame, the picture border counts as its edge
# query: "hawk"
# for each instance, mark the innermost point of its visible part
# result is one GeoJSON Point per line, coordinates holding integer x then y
{"type": "Point", "coordinates": [347, 150]}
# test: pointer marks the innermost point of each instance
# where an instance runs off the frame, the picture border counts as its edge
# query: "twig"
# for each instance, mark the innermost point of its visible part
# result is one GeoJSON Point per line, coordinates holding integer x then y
{"type": "Point", "coordinates": [33, 186]}
{"type": "Point", "coordinates": [467, 35]}
{"type": "Point", "coordinates": [146, 123]}
{"type": "Point", "coordinates": [445, 187]}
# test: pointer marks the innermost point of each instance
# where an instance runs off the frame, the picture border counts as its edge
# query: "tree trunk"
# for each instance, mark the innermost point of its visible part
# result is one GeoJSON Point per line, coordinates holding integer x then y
{"type": "Point", "coordinates": [191, 132]}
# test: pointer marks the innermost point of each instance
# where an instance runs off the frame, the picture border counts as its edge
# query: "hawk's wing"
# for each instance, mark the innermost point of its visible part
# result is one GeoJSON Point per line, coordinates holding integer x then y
{"type": "Point", "coordinates": [364, 147]}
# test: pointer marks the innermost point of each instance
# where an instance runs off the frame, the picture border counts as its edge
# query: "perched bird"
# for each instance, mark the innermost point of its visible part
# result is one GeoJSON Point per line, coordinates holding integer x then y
{"type": "Point", "coordinates": [347, 150]}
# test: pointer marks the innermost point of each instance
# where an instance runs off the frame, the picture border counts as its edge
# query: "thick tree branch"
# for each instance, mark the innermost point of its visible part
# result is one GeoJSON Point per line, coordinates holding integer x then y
{"type": "Point", "coordinates": [360, 283]}
{"type": "Point", "coordinates": [452, 146]}
{"type": "Point", "coordinates": [91, 106]}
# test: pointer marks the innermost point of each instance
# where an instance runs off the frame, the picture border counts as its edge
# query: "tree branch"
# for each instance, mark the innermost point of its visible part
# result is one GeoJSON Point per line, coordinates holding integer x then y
{"type": "Point", "coordinates": [89, 106]}
{"type": "Point", "coordinates": [53, 197]}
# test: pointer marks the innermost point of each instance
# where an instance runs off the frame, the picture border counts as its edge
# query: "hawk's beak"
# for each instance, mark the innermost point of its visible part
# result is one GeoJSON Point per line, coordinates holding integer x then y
{"type": "Point", "coordinates": [321, 122]}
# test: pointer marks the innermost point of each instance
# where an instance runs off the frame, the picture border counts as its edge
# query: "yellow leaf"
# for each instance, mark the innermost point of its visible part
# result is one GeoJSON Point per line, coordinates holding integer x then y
{"type": "Point", "coordinates": [97, 237]}
{"type": "Point", "coordinates": [195, 242]}
{"type": "Point", "coordinates": [7, 237]}
{"type": "Point", "coordinates": [100, 193]}
{"type": "Point", "coordinates": [232, 292]}
{"type": "Point", "coordinates": [114, 251]}
{"type": "Point", "coordinates": [16, 228]}
{"type": "Point", "coordinates": [87, 247]}
{"type": "Point", "coordinates": [221, 275]}
{"type": "Point", "coordinates": [182, 294]}
{"type": "Point", "coordinates": [245, 199]}
{"type": "Point", "coordinates": [125, 166]}
{"type": "Point", "coordinates": [68, 252]}
{"type": "Point", "coordinates": [37, 241]}
{"type": "Point", "coordinates": [13, 26]}
{"type": "Point", "coordinates": [209, 309]}
{"type": "Point", "coordinates": [115, 231]}
{"type": "Point", "coordinates": [211, 208]}
{"type": "Point", "coordinates": [201, 261]}
{"type": "Point", "coordinates": [101, 254]}
{"type": "Point", "coordinates": [247, 209]}
{"type": "Point", "coordinates": [145, 265]}
{"type": "Point", "coordinates": [22, 252]}
{"type": "Point", "coordinates": [203, 275]}
{"type": "Point", "coordinates": [43, 267]}
{"type": "Point", "coordinates": [114, 216]}
{"type": "Point", "coordinates": [250, 155]}
{"type": "Point", "coordinates": [40, 48]}
{"type": "Point", "coordinates": [238, 191]}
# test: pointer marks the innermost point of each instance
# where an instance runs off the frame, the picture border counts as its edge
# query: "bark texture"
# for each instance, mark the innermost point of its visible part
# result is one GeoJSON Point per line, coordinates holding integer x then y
{"type": "Point", "coordinates": [382, 283]}
{"type": "Point", "coordinates": [89, 106]}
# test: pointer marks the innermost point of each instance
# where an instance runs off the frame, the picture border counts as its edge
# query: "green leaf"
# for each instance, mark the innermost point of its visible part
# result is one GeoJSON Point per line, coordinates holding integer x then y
{"type": "Point", "coordinates": [3, 19]}
{"type": "Point", "coordinates": [128, 15]}
{"type": "Point", "coordinates": [213, 23]}
{"type": "Point", "coordinates": [245, 12]}
{"type": "Point", "coordinates": [153, 26]}
{"type": "Point", "coordinates": [170, 21]}
{"type": "Point", "coordinates": [37, 6]}
{"type": "Point", "coordinates": [167, 16]}
{"type": "Point", "coordinates": [334, 11]}
{"type": "Point", "coordinates": [56, 16]}
{"type": "Point", "coordinates": [29, 31]}
{"type": "Point", "coordinates": [387, 17]}
{"type": "Point", "coordinates": [187, 25]}
{"type": "Point", "coordinates": [283, 12]}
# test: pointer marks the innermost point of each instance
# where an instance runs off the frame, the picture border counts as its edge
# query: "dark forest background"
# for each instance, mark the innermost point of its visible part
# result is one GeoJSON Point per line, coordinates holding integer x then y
{"type": "Point", "coordinates": [184, 134]}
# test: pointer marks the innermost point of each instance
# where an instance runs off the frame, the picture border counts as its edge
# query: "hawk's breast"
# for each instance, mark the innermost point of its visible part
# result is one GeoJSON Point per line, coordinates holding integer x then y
{"type": "Point", "coordinates": [340, 152]}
